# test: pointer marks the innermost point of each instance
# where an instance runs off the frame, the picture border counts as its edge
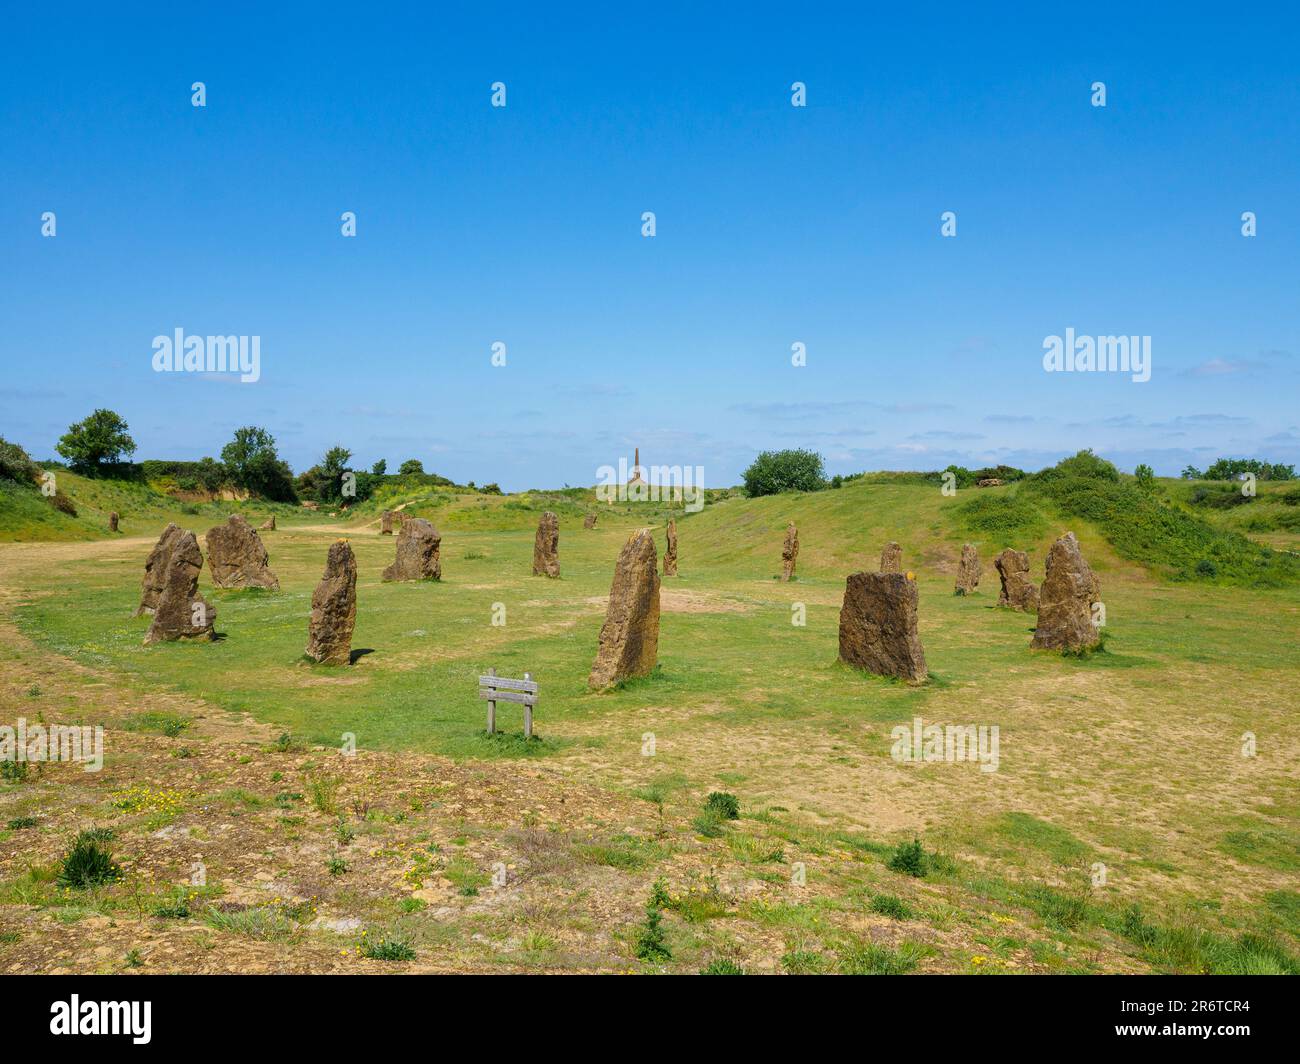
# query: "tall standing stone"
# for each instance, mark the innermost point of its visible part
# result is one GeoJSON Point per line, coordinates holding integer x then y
{"type": "Point", "coordinates": [418, 552]}
{"type": "Point", "coordinates": [112, 521]}
{"type": "Point", "coordinates": [789, 551]}
{"type": "Point", "coordinates": [589, 521]}
{"type": "Point", "coordinates": [1018, 590]}
{"type": "Point", "coordinates": [968, 570]}
{"type": "Point", "coordinates": [891, 558]}
{"type": "Point", "coordinates": [878, 626]}
{"type": "Point", "coordinates": [546, 546]}
{"type": "Point", "coordinates": [155, 569]}
{"type": "Point", "coordinates": [629, 638]}
{"type": "Point", "coordinates": [181, 613]}
{"type": "Point", "coordinates": [334, 608]}
{"type": "Point", "coordinates": [1065, 602]}
{"type": "Point", "coordinates": [670, 550]}
{"type": "Point", "coordinates": [386, 523]}
{"type": "Point", "coordinates": [237, 558]}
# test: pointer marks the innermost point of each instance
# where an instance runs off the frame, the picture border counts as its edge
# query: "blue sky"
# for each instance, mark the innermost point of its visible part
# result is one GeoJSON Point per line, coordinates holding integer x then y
{"type": "Point", "coordinates": [775, 225]}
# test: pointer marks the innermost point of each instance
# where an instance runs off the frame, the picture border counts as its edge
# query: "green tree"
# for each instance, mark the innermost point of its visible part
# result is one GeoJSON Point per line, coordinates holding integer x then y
{"type": "Point", "coordinates": [100, 438]}
{"type": "Point", "coordinates": [790, 470]}
{"type": "Point", "coordinates": [411, 466]}
{"type": "Point", "coordinates": [1146, 478]}
{"type": "Point", "coordinates": [253, 464]}
{"type": "Point", "coordinates": [380, 467]}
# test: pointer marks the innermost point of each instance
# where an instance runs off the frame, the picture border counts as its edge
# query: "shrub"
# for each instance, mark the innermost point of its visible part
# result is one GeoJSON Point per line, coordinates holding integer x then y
{"type": "Point", "coordinates": [388, 949]}
{"type": "Point", "coordinates": [16, 464]}
{"type": "Point", "coordinates": [888, 905]}
{"type": "Point", "coordinates": [722, 966]}
{"type": "Point", "coordinates": [88, 863]}
{"type": "Point", "coordinates": [773, 472]}
{"type": "Point", "coordinates": [651, 942]}
{"type": "Point", "coordinates": [724, 804]}
{"type": "Point", "coordinates": [63, 504]}
{"type": "Point", "coordinates": [18, 823]}
{"type": "Point", "coordinates": [909, 858]}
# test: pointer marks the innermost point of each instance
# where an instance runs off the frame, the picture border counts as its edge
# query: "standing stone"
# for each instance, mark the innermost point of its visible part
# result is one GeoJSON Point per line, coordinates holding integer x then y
{"type": "Point", "coordinates": [334, 608]}
{"type": "Point", "coordinates": [1018, 591]}
{"type": "Point", "coordinates": [386, 523]}
{"type": "Point", "coordinates": [112, 521]}
{"type": "Point", "coordinates": [155, 569]}
{"type": "Point", "coordinates": [546, 546]}
{"type": "Point", "coordinates": [968, 570]}
{"type": "Point", "coordinates": [181, 613]}
{"type": "Point", "coordinates": [589, 521]}
{"type": "Point", "coordinates": [891, 558]}
{"type": "Point", "coordinates": [237, 558]}
{"type": "Point", "coordinates": [878, 626]}
{"type": "Point", "coordinates": [629, 638]}
{"type": "Point", "coordinates": [670, 551]}
{"type": "Point", "coordinates": [268, 525]}
{"type": "Point", "coordinates": [789, 551]}
{"type": "Point", "coordinates": [1065, 603]}
{"type": "Point", "coordinates": [418, 552]}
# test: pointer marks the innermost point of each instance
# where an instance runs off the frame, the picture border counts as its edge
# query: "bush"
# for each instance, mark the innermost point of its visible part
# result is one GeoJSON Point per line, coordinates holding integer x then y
{"type": "Point", "coordinates": [388, 949]}
{"type": "Point", "coordinates": [773, 472]}
{"type": "Point", "coordinates": [88, 863]}
{"type": "Point", "coordinates": [909, 858]}
{"type": "Point", "coordinates": [16, 464]}
{"type": "Point", "coordinates": [722, 966]}
{"type": "Point", "coordinates": [723, 804]}
{"type": "Point", "coordinates": [888, 905]}
{"type": "Point", "coordinates": [651, 942]}
{"type": "Point", "coordinates": [63, 504]}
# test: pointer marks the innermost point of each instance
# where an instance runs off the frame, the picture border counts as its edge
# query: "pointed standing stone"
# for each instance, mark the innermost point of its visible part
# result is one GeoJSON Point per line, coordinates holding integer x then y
{"type": "Point", "coordinates": [670, 551]}
{"type": "Point", "coordinates": [629, 638]}
{"type": "Point", "coordinates": [155, 570]}
{"type": "Point", "coordinates": [334, 608]}
{"type": "Point", "coordinates": [789, 552]}
{"type": "Point", "coordinates": [237, 558]}
{"type": "Point", "coordinates": [891, 558]}
{"type": "Point", "coordinates": [418, 552]}
{"type": "Point", "coordinates": [546, 546]}
{"type": "Point", "coordinates": [1065, 601]}
{"type": "Point", "coordinates": [181, 613]}
{"type": "Point", "coordinates": [589, 521]}
{"type": "Point", "coordinates": [112, 521]}
{"type": "Point", "coordinates": [968, 571]}
{"type": "Point", "coordinates": [268, 525]}
{"type": "Point", "coordinates": [386, 523]}
{"type": "Point", "coordinates": [878, 626]}
{"type": "Point", "coordinates": [1018, 591]}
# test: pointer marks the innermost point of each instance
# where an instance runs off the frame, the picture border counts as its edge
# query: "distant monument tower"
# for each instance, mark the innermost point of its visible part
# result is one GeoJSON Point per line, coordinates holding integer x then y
{"type": "Point", "coordinates": [635, 478]}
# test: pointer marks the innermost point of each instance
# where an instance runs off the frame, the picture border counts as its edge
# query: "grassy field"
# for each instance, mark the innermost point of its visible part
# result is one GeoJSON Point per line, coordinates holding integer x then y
{"type": "Point", "coordinates": [1130, 759]}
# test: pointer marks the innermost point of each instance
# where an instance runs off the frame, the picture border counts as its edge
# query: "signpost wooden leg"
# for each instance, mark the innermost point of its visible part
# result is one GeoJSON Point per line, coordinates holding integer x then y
{"type": "Point", "coordinates": [528, 714]}
{"type": "Point", "coordinates": [492, 710]}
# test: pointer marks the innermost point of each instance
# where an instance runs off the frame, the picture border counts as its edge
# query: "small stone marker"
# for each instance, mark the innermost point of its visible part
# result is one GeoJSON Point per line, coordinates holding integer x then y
{"type": "Point", "coordinates": [891, 558]}
{"type": "Point", "coordinates": [789, 551]}
{"type": "Point", "coordinates": [112, 521]}
{"type": "Point", "coordinates": [496, 689]}
{"type": "Point", "coordinates": [334, 608]}
{"type": "Point", "coordinates": [968, 571]}
{"type": "Point", "coordinates": [878, 626]}
{"type": "Point", "coordinates": [237, 558]}
{"type": "Point", "coordinates": [155, 569]}
{"type": "Point", "coordinates": [1018, 591]}
{"type": "Point", "coordinates": [546, 546]}
{"type": "Point", "coordinates": [589, 521]}
{"type": "Point", "coordinates": [629, 638]}
{"type": "Point", "coordinates": [1065, 601]}
{"type": "Point", "coordinates": [181, 613]}
{"type": "Point", "coordinates": [670, 551]}
{"type": "Point", "coordinates": [386, 523]}
{"type": "Point", "coordinates": [418, 552]}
